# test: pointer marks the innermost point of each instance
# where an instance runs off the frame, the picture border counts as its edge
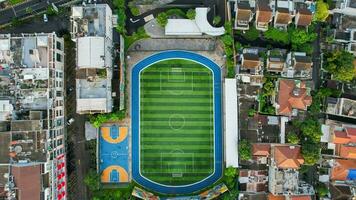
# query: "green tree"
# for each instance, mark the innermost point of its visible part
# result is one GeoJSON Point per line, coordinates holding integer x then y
{"type": "Point", "coordinates": [230, 174]}
{"type": "Point", "coordinates": [228, 27]}
{"type": "Point", "coordinates": [29, 10]}
{"type": "Point", "coordinates": [92, 180]}
{"type": "Point", "coordinates": [340, 65]}
{"type": "Point", "coordinates": [191, 14]}
{"type": "Point", "coordinates": [251, 112]}
{"type": "Point", "coordinates": [162, 19]}
{"type": "Point", "coordinates": [293, 138]}
{"type": "Point", "coordinates": [311, 129]}
{"type": "Point", "coordinates": [310, 152]}
{"type": "Point", "coordinates": [268, 88]}
{"type": "Point", "coordinates": [277, 35]}
{"type": "Point", "coordinates": [322, 190]}
{"type": "Point", "coordinates": [299, 37]}
{"type": "Point", "coordinates": [228, 40]}
{"type": "Point", "coordinates": [245, 150]}
{"type": "Point", "coordinates": [119, 3]}
{"type": "Point", "coordinates": [121, 21]}
{"type": "Point", "coordinates": [322, 11]}
{"type": "Point", "coordinates": [216, 20]}
{"type": "Point", "coordinates": [251, 34]}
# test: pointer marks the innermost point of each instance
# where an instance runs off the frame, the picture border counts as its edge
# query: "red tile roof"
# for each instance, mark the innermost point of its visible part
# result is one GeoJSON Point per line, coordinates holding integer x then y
{"type": "Point", "coordinates": [348, 152]}
{"type": "Point", "coordinates": [273, 197]}
{"type": "Point", "coordinates": [288, 157]}
{"type": "Point", "coordinates": [341, 169]}
{"type": "Point", "coordinates": [261, 149]}
{"type": "Point", "coordinates": [292, 97]}
{"type": "Point", "coordinates": [305, 197]}
{"type": "Point", "coordinates": [346, 136]}
{"type": "Point", "coordinates": [28, 181]}
{"type": "Point", "coordinates": [305, 17]}
{"type": "Point", "coordinates": [283, 16]}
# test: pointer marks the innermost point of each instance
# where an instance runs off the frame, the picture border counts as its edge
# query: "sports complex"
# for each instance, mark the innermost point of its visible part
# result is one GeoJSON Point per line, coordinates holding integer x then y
{"type": "Point", "coordinates": [176, 122]}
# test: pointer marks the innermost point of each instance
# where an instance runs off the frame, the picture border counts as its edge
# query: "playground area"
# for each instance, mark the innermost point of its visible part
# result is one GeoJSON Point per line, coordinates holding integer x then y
{"type": "Point", "coordinates": [176, 122]}
{"type": "Point", "coordinates": [113, 154]}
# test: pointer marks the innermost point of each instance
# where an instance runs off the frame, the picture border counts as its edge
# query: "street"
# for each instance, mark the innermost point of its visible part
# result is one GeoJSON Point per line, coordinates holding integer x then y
{"type": "Point", "coordinates": [77, 157]}
{"type": "Point", "coordinates": [19, 11]}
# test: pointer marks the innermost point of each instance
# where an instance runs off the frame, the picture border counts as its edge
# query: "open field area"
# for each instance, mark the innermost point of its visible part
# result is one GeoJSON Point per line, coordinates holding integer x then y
{"type": "Point", "coordinates": [176, 122]}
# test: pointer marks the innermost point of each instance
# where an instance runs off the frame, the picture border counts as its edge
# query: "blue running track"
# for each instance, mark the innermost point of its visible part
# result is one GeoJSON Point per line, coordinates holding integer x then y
{"type": "Point", "coordinates": [135, 97]}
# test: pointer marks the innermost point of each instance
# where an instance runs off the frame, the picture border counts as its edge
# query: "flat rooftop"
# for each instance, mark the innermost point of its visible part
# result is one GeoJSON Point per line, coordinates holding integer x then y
{"type": "Point", "coordinates": [91, 20]}
{"type": "Point", "coordinates": [95, 89]}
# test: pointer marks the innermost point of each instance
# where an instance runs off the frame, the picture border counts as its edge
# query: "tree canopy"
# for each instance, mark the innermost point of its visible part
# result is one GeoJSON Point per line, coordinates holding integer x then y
{"type": "Point", "coordinates": [251, 34]}
{"type": "Point", "coordinates": [322, 11]}
{"type": "Point", "coordinates": [245, 150]}
{"type": "Point", "coordinates": [277, 35]}
{"type": "Point", "coordinates": [300, 37]}
{"type": "Point", "coordinates": [310, 152]}
{"type": "Point", "coordinates": [340, 65]}
{"type": "Point", "coordinates": [162, 19]}
{"type": "Point", "coordinates": [293, 138]}
{"type": "Point", "coordinates": [311, 129]}
{"type": "Point", "coordinates": [191, 14]}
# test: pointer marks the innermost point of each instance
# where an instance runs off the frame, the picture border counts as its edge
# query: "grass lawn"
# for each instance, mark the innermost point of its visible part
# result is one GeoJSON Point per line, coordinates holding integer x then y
{"type": "Point", "coordinates": [176, 122]}
{"type": "Point", "coordinates": [13, 2]}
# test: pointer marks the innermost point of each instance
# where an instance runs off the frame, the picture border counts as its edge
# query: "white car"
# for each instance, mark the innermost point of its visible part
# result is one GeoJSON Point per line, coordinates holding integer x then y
{"type": "Point", "coordinates": [45, 18]}
{"type": "Point", "coordinates": [70, 121]}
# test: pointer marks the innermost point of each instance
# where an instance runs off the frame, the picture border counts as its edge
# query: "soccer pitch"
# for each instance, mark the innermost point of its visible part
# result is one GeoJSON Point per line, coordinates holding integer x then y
{"type": "Point", "coordinates": [176, 122]}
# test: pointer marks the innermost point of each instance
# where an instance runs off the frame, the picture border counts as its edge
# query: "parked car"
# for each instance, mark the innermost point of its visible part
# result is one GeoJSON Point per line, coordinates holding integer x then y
{"type": "Point", "coordinates": [45, 18]}
{"type": "Point", "coordinates": [70, 121]}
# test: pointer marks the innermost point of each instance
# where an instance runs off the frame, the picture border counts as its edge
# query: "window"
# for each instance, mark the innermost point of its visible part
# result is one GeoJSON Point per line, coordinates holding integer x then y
{"type": "Point", "coordinates": [58, 57]}
{"type": "Point", "coordinates": [59, 45]}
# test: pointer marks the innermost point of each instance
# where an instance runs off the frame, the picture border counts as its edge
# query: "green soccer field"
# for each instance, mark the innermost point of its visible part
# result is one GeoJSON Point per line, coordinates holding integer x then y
{"type": "Point", "coordinates": [176, 122]}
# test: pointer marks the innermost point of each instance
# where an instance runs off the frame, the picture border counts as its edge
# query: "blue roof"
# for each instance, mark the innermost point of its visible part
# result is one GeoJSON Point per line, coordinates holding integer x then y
{"type": "Point", "coordinates": [352, 174]}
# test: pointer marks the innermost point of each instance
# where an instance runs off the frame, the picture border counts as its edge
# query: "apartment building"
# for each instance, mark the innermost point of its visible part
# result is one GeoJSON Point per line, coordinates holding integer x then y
{"type": "Point", "coordinates": [32, 150]}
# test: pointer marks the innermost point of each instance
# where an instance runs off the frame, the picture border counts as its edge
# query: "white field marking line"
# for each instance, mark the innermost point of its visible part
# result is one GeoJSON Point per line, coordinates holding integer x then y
{"type": "Point", "coordinates": [139, 135]}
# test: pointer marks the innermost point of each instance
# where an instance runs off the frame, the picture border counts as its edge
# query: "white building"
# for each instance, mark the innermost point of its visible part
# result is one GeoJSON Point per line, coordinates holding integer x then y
{"type": "Point", "coordinates": [91, 29]}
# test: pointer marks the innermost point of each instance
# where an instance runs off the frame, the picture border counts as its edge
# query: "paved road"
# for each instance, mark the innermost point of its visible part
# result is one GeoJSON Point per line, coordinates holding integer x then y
{"type": "Point", "coordinates": [56, 24]}
{"type": "Point", "coordinates": [77, 157]}
{"type": "Point", "coordinates": [19, 11]}
{"type": "Point", "coordinates": [316, 58]}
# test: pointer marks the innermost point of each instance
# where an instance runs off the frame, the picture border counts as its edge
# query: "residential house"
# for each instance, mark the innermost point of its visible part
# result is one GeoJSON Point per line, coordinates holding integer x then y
{"type": "Point", "coordinates": [32, 150]}
{"type": "Point", "coordinates": [284, 14]}
{"type": "Point", "coordinates": [303, 17]}
{"type": "Point", "coordinates": [250, 69]}
{"type": "Point", "coordinates": [341, 106]}
{"type": "Point", "coordinates": [276, 60]}
{"type": "Point", "coordinates": [261, 152]}
{"type": "Point", "coordinates": [243, 16]}
{"type": "Point", "coordinates": [253, 181]}
{"type": "Point", "coordinates": [346, 7]}
{"type": "Point", "coordinates": [299, 65]}
{"type": "Point", "coordinates": [283, 172]}
{"type": "Point", "coordinates": [343, 170]}
{"type": "Point", "coordinates": [292, 95]}
{"type": "Point", "coordinates": [345, 142]}
{"type": "Point", "coordinates": [341, 192]}
{"type": "Point", "coordinates": [289, 197]}
{"type": "Point", "coordinates": [346, 38]}
{"type": "Point", "coordinates": [264, 15]}
{"type": "Point", "coordinates": [94, 56]}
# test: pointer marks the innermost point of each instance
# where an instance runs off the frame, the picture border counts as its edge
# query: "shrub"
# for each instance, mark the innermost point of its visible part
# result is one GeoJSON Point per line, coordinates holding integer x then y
{"type": "Point", "coordinates": [277, 35]}
{"type": "Point", "coordinates": [251, 34]}
{"type": "Point", "coordinates": [293, 138]}
{"type": "Point", "coordinates": [162, 19]}
{"type": "Point", "coordinates": [216, 20]}
{"type": "Point", "coordinates": [191, 14]}
{"type": "Point", "coordinates": [245, 150]}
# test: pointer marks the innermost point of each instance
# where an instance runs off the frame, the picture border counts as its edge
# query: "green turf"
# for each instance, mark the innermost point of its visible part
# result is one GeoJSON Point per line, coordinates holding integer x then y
{"type": "Point", "coordinates": [176, 122]}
